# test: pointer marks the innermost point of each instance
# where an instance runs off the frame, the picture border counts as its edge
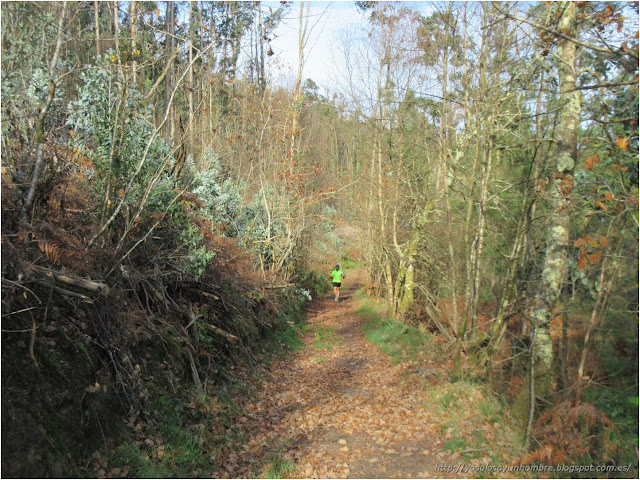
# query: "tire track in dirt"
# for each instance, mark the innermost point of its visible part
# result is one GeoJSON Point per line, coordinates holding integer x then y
{"type": "Point", "coordinates": [343, 411]}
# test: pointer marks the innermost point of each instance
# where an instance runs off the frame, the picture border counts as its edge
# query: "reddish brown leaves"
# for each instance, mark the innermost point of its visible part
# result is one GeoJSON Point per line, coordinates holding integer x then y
{"type": "Point", "coordinates": [581, 241]}
{"type": "Point", "coordinates": [609, 16]}
{"type": "Point", "coordinates": [348, 412]}
{"type": "Point", "coordinates": [587, 255]}
{"type": "Point", "coordinates": [617, 167]}
{"type": "Point", "coordinates": [566, 185]}
{"type": "Point", "coordinates": [51, 249]}
{"type": "Point", "coordinates": [591, 162]}
{"type": "Point", "coordinates": [560, 434]}
{"type": "Point", "coordinates": [600, 205]}
{"type": "Point", "coordinates": [595, 257]}
{"type": "Point", "coordinates": [582, 260]}
{"type": "Point", "coordinates": [623, 143]}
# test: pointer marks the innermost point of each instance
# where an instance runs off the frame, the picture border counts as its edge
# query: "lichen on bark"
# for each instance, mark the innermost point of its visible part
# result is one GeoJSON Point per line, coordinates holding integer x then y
{"type": "Point", "coordinates": [554, 262]}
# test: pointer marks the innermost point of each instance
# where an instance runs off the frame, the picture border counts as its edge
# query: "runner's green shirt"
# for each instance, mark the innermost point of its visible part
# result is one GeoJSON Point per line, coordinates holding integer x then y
{"type": "Point", "coordinates": [336, 276]}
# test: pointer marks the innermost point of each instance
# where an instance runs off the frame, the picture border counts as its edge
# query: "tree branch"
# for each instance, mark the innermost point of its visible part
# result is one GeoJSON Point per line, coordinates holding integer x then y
{"type": "Point", "coordinates": [40, 137]}
{"type": "Point", "coordinates": [142, 160]}
{"type": "Point", "coordinates": [602, 85]}
{"type": "Point", "coordinates": [562, 35]}
{"type": "Point", "coordinates": [47, 276]}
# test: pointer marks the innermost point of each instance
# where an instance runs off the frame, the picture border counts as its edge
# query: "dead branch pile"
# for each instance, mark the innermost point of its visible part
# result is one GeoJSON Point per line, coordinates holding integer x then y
{"type": "Point", "coordinates": [83, 328]}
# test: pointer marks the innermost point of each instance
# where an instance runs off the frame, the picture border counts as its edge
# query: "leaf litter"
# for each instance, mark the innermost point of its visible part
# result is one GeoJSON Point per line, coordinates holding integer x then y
{"type": "Point", "coordinates": [352, 415]}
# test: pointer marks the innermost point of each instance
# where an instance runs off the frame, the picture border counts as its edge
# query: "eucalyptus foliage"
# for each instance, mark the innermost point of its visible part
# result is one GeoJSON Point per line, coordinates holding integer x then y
{"type": "Point", "coordinates": [113, 124]}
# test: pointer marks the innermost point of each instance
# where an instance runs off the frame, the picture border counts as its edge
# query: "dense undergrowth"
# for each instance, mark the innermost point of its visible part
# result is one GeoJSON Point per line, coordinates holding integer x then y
{"type": "Point", "coordinates": [113, 362]}
{"type": "Point", "coordinates": [75, 415]}
{"type": "Point", "coordinates": [196, 430]}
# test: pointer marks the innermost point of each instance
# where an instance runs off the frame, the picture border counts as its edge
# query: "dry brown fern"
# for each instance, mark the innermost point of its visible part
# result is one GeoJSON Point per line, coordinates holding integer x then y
{"type": "Point", "coordinates": [61, 248]}
{"type": "Point", "coordinates": [51, 249]}
{"type": "Point", "coordinates": [541, 455]}
{"type": "Point", "coordinates": [571, 431]}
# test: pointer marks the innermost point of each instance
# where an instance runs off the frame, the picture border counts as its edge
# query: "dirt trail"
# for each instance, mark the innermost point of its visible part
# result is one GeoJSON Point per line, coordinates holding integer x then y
{"type": "Point", "coordinates": [338, 408]}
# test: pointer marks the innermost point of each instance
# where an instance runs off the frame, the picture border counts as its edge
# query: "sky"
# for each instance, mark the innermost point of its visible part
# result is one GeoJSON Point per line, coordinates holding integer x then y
{"type": "Point", "coordinates": [327, 21]}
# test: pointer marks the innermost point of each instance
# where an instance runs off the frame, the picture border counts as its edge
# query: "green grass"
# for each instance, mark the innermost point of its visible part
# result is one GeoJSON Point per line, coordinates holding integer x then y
{"type": "Point", "coordinates": [183, 452]}
{"type": "Point", "coordinates": [287, 334]}
{"type": "Point", "coordinates": [325, 337]}
{"type": "Point", "coordinates": [350, 264]}
{"type": "Point", "coordinates": [454, 445]}
{"type": "Point", "coordinates": [400, 341]}
{"type": "Point", "coordinates": [618, 397]}
{"type": "Point", "coordinates": [622, 410]}
{"type": "Point", "coordinates": [360, 294]}
{"type": "Point", "coordinates": [368, 310]}
{"type": "Point", "coordinates": [289, 338]}
{"type": "Point", "coordinates": [491, 410]}
{"type": "Point", "coordinates": [455, 401]}
{"type": "Point", "coordinates": [280, 468]}
{"type": "Point", "coordinates": [292, 321]}
{"type": "Point", "coordinates": [447, 399]}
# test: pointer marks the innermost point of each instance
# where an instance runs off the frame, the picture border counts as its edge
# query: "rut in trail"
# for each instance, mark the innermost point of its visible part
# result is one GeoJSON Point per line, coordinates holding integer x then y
{"type": "Point", "coordinates": [340, 411]}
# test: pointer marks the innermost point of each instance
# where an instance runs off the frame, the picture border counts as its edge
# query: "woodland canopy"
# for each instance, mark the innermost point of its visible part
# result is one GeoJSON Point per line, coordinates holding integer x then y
{"type": "Point", "coordinates": [167, 205]}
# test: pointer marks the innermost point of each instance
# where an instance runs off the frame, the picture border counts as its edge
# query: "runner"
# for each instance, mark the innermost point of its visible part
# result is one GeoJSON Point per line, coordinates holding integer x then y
{"type": "Point", "coordinates": [336, 277]}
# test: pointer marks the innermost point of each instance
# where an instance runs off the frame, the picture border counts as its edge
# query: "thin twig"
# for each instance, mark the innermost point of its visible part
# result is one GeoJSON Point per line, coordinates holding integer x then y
{"type": "Point", "coordinates": [532, 396]}
{"type": "Point", "coordinates": [33, 340]}
{"type": "Point", "coordinates": [22, 286]}
{"type": "Point", "coordinates": [141, 163]}
{"type": "Point", "coordinates": [14, 313]}
{"type": "Point", "coordinates": [19, 331]}
{"type": "Point", "coordinates": [143, 239]}
{"type": "Point", "coordinates": [564, 36]}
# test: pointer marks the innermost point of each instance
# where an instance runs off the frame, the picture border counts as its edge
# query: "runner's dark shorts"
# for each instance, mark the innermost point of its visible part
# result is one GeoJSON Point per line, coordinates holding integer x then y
{"type": "Point", "coordinates": [337, 284]}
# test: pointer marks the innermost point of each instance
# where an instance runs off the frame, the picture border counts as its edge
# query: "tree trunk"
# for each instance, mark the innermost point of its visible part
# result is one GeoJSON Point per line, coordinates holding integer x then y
{"type": "Point", "coordinates": [133, 14]}
{"type": "Point", "coordinates": [470, 237]}
{"type": "Point", "coordinates": [116, 36]}
{"type": "Point", "coordinates": [448, 179]}
{"type": "Point", "coordinates": [47, 276]}
{"type": "Point", "coordinates": [261, 81]}
{"type": "Point", "coordinates": [508, 289]}
{"type": "Point", "coordinates": [564, 350]}
{"type": "Point", "coordinates": [479, 240]}
{"type": "Point", "coordinates": [168, 82]}
{"type": "Point", "coordinates": [603, 293]}
{"type": "Point", "coordinates": [39, 134]}
{"type": "Point", "coordinates": [297, 97]}
{"type": "Point", "coordinates": [558, 230]}
{"type": "Point", "coordinates": [386, 261]}
{"type": "Point", "coordinates": [192, 85]}
{"type": "Point", "coordinates": [96, 19]}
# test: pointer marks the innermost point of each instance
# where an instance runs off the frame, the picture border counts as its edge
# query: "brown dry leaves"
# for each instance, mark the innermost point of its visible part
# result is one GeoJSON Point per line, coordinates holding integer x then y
{"type": "Point", "coordinates": [623, 143]}
{"type": "Point", "coordinates": [342, 412]}
{"type": "Point", "coordinates": [585, 258]}
{"type": "Point", "coordinates": [591, 162]}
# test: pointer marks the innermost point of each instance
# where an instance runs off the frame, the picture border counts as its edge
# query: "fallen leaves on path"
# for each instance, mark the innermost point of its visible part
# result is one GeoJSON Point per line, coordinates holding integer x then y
{"type": "Point", "coordinates": [339, 412]}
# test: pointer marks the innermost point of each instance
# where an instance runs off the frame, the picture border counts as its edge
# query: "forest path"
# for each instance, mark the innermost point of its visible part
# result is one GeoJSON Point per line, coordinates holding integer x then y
{"type": "Point", "coordinates": [337, 408]}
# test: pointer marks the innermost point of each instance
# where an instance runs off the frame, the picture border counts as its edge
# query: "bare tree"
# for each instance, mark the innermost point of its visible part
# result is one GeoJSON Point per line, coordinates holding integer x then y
{"type": "Point", "coordinates": [42, 113]}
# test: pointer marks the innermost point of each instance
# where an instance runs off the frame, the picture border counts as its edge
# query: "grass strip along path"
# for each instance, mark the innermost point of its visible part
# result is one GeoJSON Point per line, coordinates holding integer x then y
{"type": "Point", "coordinates": [341, 408]}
